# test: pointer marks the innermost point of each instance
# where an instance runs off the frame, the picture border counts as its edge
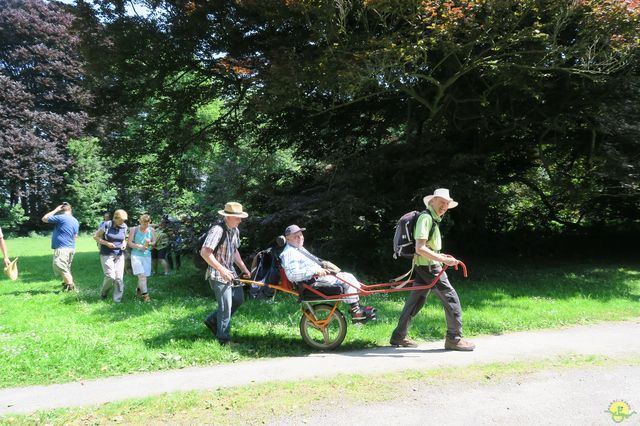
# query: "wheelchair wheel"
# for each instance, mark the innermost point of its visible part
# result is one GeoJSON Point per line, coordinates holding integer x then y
{"type": "Point", "coordinates": [327, 335]}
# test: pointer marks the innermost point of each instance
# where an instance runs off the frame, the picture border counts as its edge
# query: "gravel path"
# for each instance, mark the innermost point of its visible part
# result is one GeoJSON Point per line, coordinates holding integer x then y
{"type": "Point", "coordinates": [569, 397]}
{"type": "Point", "coordinates": [612, 339]}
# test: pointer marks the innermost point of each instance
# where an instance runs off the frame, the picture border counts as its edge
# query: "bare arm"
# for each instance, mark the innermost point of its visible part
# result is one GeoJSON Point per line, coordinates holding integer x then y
{"type": "Point", "coordinates": [207, 254]}
{"type": "Point", "coordinates": [5, 252]}
{"type": "Point", "coordinates": [130, 242]}
{"type": "Point", "coordinates": [238, 261]}
{"type": "Point", "coordinates": [45, 218]}
{"type": "Point", "coordinates": [422, 249]}
{"type": "Point", "coordinates": [98, 237]}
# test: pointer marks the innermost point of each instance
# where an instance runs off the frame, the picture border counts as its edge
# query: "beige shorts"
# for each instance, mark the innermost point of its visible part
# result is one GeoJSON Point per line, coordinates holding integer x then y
{"type": "Point", "coordinates": [62, 259]}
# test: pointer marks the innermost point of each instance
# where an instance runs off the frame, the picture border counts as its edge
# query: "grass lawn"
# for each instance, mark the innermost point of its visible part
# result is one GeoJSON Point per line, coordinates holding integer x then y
{"type": "Point", "coordinates": [48, 336]}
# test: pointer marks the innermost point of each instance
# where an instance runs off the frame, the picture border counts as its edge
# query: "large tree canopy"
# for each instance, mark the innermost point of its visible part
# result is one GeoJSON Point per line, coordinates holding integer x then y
{"type": "Point", "coordinates": [41, 100]}
{"type": "Point", "coordinates": [525, 109]}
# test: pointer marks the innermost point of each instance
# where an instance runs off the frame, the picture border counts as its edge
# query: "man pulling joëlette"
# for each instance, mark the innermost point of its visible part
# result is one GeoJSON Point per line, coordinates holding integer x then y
{"type": "Point", "coordinates": [428, 264]}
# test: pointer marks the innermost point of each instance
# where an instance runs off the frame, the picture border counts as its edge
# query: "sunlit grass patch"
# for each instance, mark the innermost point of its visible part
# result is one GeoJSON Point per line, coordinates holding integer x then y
{"type": "Point", "coordinates": [49, 336]}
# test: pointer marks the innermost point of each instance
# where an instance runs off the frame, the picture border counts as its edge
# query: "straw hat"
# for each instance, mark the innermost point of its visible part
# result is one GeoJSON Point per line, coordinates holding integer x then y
{"type": "Point", "coordinates": [442, 193]}
{"type": "Point", "coordinates": [233, 209]}
{"type": "Point", "coordinates": [11, 270]}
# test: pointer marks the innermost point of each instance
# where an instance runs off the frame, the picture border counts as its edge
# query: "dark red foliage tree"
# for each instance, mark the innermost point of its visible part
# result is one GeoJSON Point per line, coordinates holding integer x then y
{"type": "Point", "coordinates": [41, 101]}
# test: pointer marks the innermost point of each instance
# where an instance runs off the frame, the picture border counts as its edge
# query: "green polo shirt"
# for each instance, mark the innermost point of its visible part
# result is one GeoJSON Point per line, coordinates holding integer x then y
{"type": "Point", "coordinates": [423, 226]}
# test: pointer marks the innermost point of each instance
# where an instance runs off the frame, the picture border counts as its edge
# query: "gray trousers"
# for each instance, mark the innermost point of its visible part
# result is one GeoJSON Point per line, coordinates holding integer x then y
{"type": "Point", "coordinates": [113, 268]}
{"type": "Point", "coordinates": [417, 298]}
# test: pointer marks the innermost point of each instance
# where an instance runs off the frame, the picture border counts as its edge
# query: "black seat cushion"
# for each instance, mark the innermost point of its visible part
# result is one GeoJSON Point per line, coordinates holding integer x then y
{"type": "Point", "coordinates": [306, 294]}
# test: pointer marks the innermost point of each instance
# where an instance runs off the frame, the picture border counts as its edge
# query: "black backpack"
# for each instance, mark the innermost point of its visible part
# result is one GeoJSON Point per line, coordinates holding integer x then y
{"type": "Point", "coordinates": [404, 245]}
{"type": "Point", "coordinates": [198, 261]}
{"type": "Point", "coordinates": [266, 270]}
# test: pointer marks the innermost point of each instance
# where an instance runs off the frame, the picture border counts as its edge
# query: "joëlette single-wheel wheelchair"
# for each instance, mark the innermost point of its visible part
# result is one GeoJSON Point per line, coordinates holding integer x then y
{"type": "Point", "coordinates": [322, 325]}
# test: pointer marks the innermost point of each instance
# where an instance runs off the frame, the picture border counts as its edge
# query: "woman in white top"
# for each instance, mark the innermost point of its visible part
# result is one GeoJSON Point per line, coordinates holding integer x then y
{"type": "Point", "coordinates": [141, 238]}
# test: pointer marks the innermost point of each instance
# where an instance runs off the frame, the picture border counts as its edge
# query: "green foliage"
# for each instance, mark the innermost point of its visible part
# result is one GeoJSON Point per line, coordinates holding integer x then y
{"type": "Point", "coordinates": [373, 104]}
{"type": "Point", "coordinates": [11, 216]}
{"type": "Point", "coordinates": [89, 181]}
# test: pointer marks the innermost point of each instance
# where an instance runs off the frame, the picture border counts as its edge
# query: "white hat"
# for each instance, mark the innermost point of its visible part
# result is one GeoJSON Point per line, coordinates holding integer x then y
{"type": "Point", "coordinates": [11, 270]}
{"type": "Point", "coordinates": [233, 209]}
{"type": "Point", "coordinates": [442, 193]}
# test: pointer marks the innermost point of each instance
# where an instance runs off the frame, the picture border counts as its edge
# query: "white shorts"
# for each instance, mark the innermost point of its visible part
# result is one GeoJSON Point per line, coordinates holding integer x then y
{"type": "Point", "coordinates": [141, 265]}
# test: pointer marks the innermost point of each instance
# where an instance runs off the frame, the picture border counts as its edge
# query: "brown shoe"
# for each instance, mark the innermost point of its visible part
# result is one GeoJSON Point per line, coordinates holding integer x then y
{"type": "Point", "coordinates": [459, 345]}
{"type": "Point", "coordinates": [405, 343]}
{"type": "Point", "coordinates": [146, 298]}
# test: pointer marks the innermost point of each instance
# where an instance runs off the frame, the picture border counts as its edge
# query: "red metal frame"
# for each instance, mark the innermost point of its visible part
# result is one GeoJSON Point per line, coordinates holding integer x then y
{"type": "Point", "coordinates": [363, 290]}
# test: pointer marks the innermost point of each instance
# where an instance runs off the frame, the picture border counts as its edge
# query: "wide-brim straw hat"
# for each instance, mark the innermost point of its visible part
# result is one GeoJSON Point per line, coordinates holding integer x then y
{"type": "Point", "coordinates": [11, 270]}
{"type": "Point", "coordinates": [442, 193]}
{"type": "Point", "coordinates": [233, 209]}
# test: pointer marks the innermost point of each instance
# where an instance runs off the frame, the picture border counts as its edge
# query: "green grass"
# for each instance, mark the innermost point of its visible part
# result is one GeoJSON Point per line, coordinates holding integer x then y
{"type": "Point", "coordinates": [47, 336]}
{"type": "Point", "coordinates": [268, 402]}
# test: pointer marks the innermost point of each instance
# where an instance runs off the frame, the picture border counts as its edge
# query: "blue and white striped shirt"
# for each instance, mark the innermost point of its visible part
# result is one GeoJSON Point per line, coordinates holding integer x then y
{"type": "Point", "coordinates": [296, 265]}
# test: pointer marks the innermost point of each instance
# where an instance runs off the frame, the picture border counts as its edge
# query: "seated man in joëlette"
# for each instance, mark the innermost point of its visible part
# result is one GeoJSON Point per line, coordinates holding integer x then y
{"type": "Point", "coordinates": [301, 266]}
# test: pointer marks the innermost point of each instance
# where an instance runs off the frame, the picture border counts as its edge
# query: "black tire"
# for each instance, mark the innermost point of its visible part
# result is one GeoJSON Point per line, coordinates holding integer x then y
{"type": "Point", "coordinates": [333, 333]}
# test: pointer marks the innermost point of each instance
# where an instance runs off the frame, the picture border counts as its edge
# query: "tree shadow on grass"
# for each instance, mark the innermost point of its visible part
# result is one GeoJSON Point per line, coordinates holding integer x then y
{"type": "Point", "coordinates": [34, 292]}
{"type": "Point", "coordinates": [601, 281]}
{"type": "Point", "coordinates": [254, 345]}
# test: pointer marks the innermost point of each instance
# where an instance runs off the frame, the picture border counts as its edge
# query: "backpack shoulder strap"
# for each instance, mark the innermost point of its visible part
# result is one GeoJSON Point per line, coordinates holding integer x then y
{"type": "Point", "coordinates": [222, 238]}
{"type": "Point", "coordinates": [434, 224]}
{"type": "Point", "coordinates": [106, 228]}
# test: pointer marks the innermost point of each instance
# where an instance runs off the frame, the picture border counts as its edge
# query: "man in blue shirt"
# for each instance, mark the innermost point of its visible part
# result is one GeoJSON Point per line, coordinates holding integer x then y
{"type": "Point", "coordinates": [63, 241]}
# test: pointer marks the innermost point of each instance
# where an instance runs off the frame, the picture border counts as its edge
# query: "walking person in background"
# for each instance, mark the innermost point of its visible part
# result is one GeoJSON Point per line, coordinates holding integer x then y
{"type": "Point", "coordinates": [112, 237]}
{"type": "Point", "coordinates": [141, 238]}
{"type": "Point", "coordinates": [105, 218]}
{"type": "Point", "coordinates": [177, 245]}
{"type": "Point", "coordinates": [63, 241]}
{"type": "Point", "coordinates": [160, 249]}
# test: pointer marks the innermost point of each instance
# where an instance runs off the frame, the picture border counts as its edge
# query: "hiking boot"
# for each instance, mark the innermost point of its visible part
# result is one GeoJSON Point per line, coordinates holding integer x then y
{"type": "Point", "coordinates": [459, 345]}
{"type": "Point", "coordinates": [405, 343]}
{"type": "Point", "coordinates": [211, 326]}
